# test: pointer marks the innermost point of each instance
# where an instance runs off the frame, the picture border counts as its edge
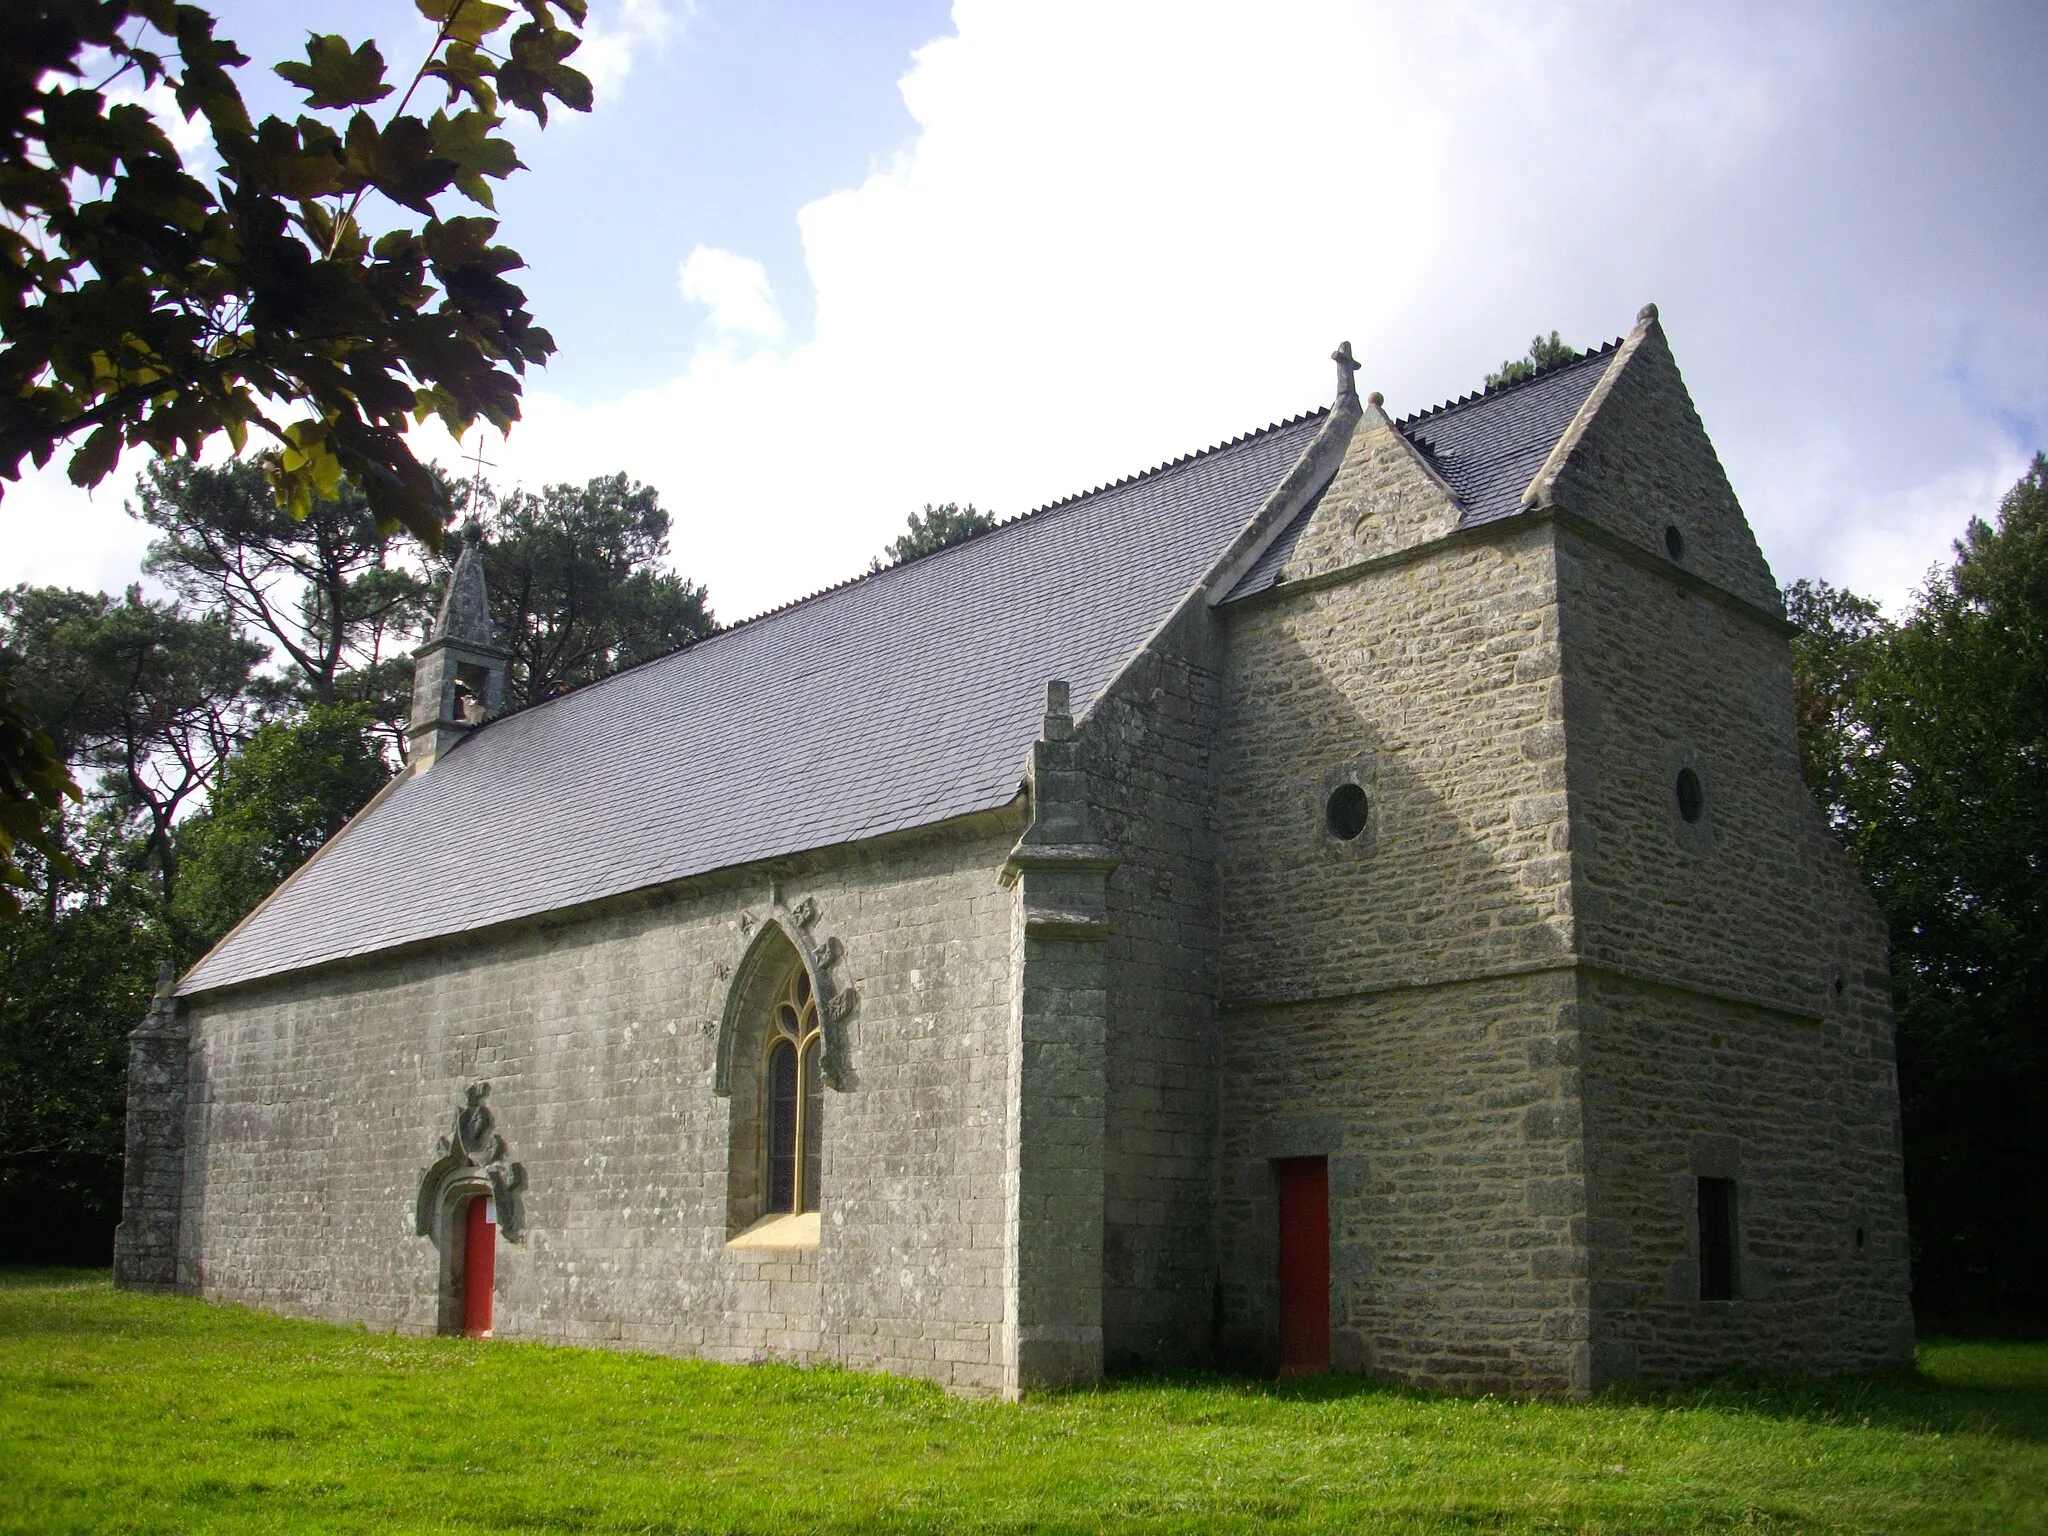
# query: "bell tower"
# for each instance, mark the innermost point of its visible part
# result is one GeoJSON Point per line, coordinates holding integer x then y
{"type": "Point", "coordinates": [458, 679]}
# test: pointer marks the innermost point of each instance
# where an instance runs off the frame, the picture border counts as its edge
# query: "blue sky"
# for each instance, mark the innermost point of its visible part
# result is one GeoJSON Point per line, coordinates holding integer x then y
{"type": "Point", "coordinates": [813, 265]}
{"type": "Point", "coordinates": [715, 124]}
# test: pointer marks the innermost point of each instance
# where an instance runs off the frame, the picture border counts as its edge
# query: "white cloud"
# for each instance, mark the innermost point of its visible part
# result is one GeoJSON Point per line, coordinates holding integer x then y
{"type": "Point", "coordinates": [614, 38]}
{"type": "Point", "coordinates": [186, 134]}
{"type": "Point", "coordinates": [1885, 541]}
{"type": "Point", "coordinates": [1129, 230]}
{"type": "Point", "coordinates": [54, 535]}
{"type": "Point", "coordinates": [736, 291]}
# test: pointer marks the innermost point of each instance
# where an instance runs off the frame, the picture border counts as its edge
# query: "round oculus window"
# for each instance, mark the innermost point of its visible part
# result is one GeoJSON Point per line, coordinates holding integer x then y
{"type": "Point", "coordinates": [1345, 811]}
{"type": "Point", "coordinates": [1692, 796]}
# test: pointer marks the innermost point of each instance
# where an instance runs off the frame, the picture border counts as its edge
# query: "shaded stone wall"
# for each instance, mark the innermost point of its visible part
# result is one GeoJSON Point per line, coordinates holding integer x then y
{"type": "Point", "coordinates": [1399, 1002]}
{"type": "Point", "coordinates": [1149, 743]}
{"type": "Point", "coordinates": [1756, 899]}
{"type": "Point", "coordinates": [1450, 1119]}
{"type": "Point", "coordinates": [1739, 999]}
{"type": "Point", "coordinates": [1799, 1113]}
{"type": "Point", "coordinates": [318, 1103]}
{"type": "Point", "coordinates": [1054, 1113]}
{"type": "Point", "coordinates": [147, 1242]}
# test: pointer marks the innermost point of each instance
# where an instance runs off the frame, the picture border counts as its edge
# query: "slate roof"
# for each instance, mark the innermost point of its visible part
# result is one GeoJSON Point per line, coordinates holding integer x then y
{"type": "Point", "coordinates": [1487, 446]}
{"type": "Point", "coordinates": [1264, 572]}
{"type": "Point", "coordinates": [1490, 446]}
{"type": "Point", "coordinates": [895, 700]}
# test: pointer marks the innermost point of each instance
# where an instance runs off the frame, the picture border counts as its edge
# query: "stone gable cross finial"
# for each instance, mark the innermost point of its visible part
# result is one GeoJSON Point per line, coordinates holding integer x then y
{"type": "Point", "coordinates": [1347, 375]}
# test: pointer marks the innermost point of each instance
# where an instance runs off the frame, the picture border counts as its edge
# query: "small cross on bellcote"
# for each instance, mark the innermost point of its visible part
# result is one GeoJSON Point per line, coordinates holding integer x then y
{"type": "Point", "coordinates": [477, 465]}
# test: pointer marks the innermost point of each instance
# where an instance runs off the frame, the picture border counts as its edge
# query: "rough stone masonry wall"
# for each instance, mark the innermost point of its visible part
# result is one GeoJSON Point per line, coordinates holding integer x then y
{"type": "Point", "coordinates": [1150, 747]}
{"type": "Point", "coordinates": [1679, 1087]}
{"type": "Point", "coordinates": [317, 1103]}
{"type": "Point", "coordinates": [1794, 1096]}
{"type": "Point", "coordinates": [1450, 1121]}
{"type": "Point", "coordinates": [1756, 899]}
{"type": "Point", "coordinates": [1394, 1003]}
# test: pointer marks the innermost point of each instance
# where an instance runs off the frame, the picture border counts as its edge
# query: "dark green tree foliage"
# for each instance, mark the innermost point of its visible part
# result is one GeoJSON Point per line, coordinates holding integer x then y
{"type": "Point", "coordinates": [141, 306]}
{"type": "Point", "coordinates": [144, 308]}
{"type": "Point", "coordinates": [34, 784]}
{"type": "Point", "coordinates": [35, 781]}
{"type": "Point", "coordinates": [1839, 637]}
{"type": "Point", "coordinates": [288, 790]}
{"type": "Point", "coordinates": [934, 529]}
{"type": "Point", "coordinates": [73, 981]}
{"type": "Point", "coordinates": [152, 701]}
{"type": "Point", "coordinates": [576, 587]}
{"type": "Point", "coordinates": [1544, 351]}
{"type": "Point", "coordinates": [326, 590]}
{"type": "Point", "coordinates": [1934, 755]}
{"type": "Point", "coordinates": [149, 698]}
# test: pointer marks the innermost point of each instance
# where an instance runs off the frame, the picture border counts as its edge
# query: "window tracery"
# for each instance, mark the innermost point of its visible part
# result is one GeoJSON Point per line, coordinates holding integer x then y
{"type": "Point", "coordinates": [795, 1098]}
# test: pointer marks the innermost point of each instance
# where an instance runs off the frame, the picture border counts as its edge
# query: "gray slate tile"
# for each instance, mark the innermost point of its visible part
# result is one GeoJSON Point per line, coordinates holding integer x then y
{"type": "Point", "coordinates": [902, 698]}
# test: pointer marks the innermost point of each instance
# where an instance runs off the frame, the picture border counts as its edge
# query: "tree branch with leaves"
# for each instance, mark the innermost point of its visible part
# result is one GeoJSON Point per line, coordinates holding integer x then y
{"type": "Point", "coordinates": [142, 307]}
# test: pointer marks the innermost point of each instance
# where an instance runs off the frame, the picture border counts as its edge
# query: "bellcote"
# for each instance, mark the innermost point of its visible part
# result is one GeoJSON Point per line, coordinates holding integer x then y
{"type": "Point", "coordinates": [458, 679]}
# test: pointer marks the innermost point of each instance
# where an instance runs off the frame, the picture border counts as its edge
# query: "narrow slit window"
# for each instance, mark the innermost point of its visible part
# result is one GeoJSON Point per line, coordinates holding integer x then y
{"type": "Point", "coordinates": [782, 1126]}
{"type": "Point", "coordinates": [814, 1104]}
{"type": "Point", "coordinates": [1717, 1240]}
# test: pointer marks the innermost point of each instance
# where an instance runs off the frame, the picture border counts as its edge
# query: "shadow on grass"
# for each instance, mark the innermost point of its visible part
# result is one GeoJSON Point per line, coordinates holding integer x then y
{"type": "Point", "coordinates": [1970, 1386]}
{"type": "Point", "coordinates": [1333, 1386]}
{"type": "Point", "coordinates": [2003, 1393]}
{"type": "Point", "coordinates": [1997, 1328]}
{"type": "Point", "coordinates": [1909, 1401]}
{"type": "Point", "coordinates": [15, 1277]}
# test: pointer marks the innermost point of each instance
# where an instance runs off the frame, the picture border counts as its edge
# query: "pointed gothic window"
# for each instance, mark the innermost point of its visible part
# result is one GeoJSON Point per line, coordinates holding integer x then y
{"type": "Point", "coordinates": [795, 1099]}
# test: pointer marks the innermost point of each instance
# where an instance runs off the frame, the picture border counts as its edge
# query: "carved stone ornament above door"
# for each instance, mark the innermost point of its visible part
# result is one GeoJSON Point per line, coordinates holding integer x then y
{"type": "Point", "coordinates": [476, 1154]}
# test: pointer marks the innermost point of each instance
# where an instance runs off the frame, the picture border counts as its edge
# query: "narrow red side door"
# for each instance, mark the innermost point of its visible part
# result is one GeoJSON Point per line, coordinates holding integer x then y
{"type": "Point", "coordinates": [1304, 1266]}
{"type": "Point", "coordinates": [479, 1267]}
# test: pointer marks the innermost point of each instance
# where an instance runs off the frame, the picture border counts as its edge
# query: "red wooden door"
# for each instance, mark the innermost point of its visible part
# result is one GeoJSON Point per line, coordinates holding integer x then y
{"type": "Point", "coordinates": [1304, 1266]}
{"type": "Point", "coordinates": [479, 1267]}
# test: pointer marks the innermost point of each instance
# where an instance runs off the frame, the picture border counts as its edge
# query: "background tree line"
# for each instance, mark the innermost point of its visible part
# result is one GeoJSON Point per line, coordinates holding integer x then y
{"type": "Point", "coordinates": [1926, 743]}
{"type": "Point", "coordinates": [224, 732]}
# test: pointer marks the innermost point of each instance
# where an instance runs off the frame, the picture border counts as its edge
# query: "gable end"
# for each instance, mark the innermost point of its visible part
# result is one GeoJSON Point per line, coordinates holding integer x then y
{"type": "Point", "coordinates": [1637, 461]}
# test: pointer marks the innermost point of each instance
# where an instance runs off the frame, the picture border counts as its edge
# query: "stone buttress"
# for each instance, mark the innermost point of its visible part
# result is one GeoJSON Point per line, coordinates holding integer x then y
{"type": "Point", "coordinates": [146, 1244]}
{"type": "Point", "coordinates": [1053, 1176]}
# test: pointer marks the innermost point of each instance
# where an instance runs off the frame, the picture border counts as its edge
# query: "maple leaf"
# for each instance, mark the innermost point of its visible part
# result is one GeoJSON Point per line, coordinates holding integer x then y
{"type": "Point", "coordinates": [335, 77]}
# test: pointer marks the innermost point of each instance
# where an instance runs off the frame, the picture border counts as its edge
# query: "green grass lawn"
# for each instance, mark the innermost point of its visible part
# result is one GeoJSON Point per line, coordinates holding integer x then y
{"type": "Point", "coordinates": [124, 1413]}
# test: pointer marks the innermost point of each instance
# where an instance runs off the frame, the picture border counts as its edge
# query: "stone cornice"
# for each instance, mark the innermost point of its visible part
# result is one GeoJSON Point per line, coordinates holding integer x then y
{"type": "Point", "coordinates": [708, 883]}
{"type": "Point", "coordinates": [1534, 517]}
{"type": "Point", "coordinates": [1456, 978]}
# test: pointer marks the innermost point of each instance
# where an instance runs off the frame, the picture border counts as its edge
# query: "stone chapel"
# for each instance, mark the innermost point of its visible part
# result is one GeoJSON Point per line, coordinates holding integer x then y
{"type": "Point", "coordinates": [1344, 899]}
